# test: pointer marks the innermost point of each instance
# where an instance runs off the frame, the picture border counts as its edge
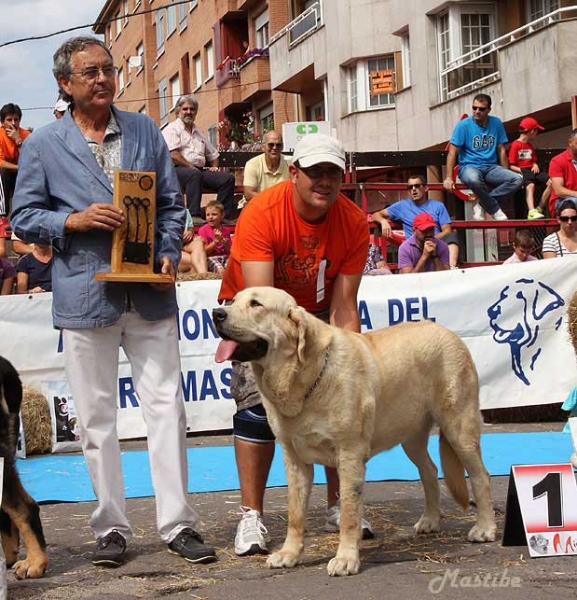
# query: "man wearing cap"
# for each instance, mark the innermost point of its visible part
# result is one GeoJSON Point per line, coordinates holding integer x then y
{"type": "Point", "coordinates": [423, 252]}
{"type": "Point", "coordinates": [60, 108]}
{"type": "Point", "coordinates": [305, 237]}
{"type": "Point", "coordinates": [563, 173]}
{"type": "Point", "coordinates": [405, 210]}
{"type": "Point", "coordinates": [478, 145]}
{"type": "Point", "coordinates": [523, 160]}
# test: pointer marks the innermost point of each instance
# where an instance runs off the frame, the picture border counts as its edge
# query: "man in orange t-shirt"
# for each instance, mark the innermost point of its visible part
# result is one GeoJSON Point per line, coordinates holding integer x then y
{"type": "Point", "coordinates": [11, 138]}
{"type": "Point", "coordinates": [305, 237]}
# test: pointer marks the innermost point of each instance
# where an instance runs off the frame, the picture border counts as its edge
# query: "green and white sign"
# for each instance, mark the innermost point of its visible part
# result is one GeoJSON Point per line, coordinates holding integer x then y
{"type": "Point", "coordinates": [293, 132]}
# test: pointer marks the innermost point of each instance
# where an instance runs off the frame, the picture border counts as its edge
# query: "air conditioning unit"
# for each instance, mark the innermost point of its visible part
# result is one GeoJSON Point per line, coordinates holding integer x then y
{"type": "Point", "coordinates": [135, 62]}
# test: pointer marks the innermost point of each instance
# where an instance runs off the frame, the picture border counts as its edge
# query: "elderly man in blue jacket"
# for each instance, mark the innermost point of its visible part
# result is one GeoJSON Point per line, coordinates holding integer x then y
{"type": "Point", "coordinates": [64, 198]}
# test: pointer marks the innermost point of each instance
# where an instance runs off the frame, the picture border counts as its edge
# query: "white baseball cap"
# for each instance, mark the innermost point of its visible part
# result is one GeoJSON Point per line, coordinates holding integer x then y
{"type": "Point", "coordinates": [61, 106]}
{"type": "Point", "coordinates": [315, 148]}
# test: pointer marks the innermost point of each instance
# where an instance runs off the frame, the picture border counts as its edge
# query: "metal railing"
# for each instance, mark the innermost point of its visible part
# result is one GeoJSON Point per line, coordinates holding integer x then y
{"type": "Point", "coordinates": [303, 26]}
{"type": "Point", "coordinates": [481, 65]}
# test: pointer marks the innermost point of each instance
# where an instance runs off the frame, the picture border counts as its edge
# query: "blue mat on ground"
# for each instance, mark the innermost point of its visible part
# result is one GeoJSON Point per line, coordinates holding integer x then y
{"type": "Point", "coordinates": [64, 478]}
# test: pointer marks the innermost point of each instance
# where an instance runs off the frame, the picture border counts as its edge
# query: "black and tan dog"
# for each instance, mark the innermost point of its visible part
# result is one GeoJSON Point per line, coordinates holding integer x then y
{"type": "Point", "coordinates": [20, 514]}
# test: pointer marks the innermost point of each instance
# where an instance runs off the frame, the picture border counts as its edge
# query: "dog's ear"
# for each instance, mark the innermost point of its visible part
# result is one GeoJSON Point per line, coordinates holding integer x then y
{"type": "Point", "coordinates": [545, 300]}
{"type": "Point", "coordinates": [298, 316]}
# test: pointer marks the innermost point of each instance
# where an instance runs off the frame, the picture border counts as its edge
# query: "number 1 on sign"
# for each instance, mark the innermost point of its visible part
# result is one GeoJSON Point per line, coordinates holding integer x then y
{"type": "Point", "coordinates": [551, 485]}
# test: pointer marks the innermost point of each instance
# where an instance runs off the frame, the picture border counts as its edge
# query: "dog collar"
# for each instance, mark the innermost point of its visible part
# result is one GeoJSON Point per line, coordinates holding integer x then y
{"type": "Point", "coordinates": [318, 379]}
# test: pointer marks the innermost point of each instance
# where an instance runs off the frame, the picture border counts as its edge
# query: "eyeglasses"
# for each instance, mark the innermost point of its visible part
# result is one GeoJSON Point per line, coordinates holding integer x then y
{"type": "Point", "coordinates": [417, 186]}
{"type": "Point", "coordinates": [272, 145]}
{"type": "Point", "coordinates": [91, 74]}
{"type": "Point", "coordinates": [318, 172]}
{"type": "Point", "coordinates": [480, 108]}
{"type": "Point", "coordinates": [567, 219]}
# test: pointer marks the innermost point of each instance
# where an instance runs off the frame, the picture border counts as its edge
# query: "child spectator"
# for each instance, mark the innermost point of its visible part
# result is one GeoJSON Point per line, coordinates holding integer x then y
{"type": "Point", "coordinates": [216, 236]}
{"type": "Point", "coordinates": [523, 247]}
{"type": "Point", "coordinates": [375, 264]}
{"type": "Point", "coordinates": [7, 277]}
{"type": "Point", "coordinates": [523, 160]}
{"type": "Point", "coordinates": [35, 271]}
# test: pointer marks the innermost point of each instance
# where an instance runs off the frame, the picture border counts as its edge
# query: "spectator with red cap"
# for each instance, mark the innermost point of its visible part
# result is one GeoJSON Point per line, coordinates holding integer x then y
{"type": "Point", "coordinates": [563, 174]}
{"type": "Point", "coordinates": [523, 160]}
{"type": "Point", "coordinates": [423, 251]}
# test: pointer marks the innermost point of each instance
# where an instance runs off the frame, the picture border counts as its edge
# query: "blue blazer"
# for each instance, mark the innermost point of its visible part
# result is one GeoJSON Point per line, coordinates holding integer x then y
{"type": "Point", "coordinates": [58, 175]}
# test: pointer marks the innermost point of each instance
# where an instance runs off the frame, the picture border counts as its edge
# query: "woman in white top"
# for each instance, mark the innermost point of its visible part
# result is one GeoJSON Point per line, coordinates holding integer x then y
{"type": "Point", "coordinates": [564, 241]}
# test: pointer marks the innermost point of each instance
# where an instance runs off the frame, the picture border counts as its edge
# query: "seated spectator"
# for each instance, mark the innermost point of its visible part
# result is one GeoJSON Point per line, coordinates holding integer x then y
{"type": "Point", "coordinates": [193, 258]}
{"type": "Point", "coordinates": [563, 176]}
{"type": "Point", "coordinates": [217, 238]}
{"type": "Point", "coordinates": [191, 151]}
{"type": "Point", "coordinates": [375, 264]}
{"type": "Point", "coordinates": [267, 169]}
{"type": "Point", "coordinates": [405, 210]}
{"type": "Point", "coordinates": [564, 241]}
{"type": "Point", "coordinates": [478, 145]}
{"type": "Point", "coordinates": [7, 277]}
{"type": "Point", "coordinates": [34, 271]}
{"type": "Point", "coordinates": [523, 160]}
{"type": "Point", "coordinates": [60, 108]}
{"type": "Point", "coordinates": [422, 251]}
{"type": "Point", "coordinates": [523, 248]}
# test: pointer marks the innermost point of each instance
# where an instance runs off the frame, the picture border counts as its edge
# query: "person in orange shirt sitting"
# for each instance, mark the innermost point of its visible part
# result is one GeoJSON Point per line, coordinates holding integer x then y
{"type": "Point", "coordinates": [11, 138]}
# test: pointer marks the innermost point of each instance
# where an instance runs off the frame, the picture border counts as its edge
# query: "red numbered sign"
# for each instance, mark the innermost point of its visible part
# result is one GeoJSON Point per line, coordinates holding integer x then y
{"type": "Point", "coordinates": [547, 499]}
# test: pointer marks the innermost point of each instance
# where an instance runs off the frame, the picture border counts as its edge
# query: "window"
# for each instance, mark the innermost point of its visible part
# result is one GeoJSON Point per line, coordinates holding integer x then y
{"type": "Point", "coordinates": [140, 53]}
{"type": "Point", "coordinates": [159, 32]}
{"type": "Point", "coordinates": [182, 16]}
{"type": "Point", "coordinates": [261, 30]}
{"type": "Point", "coordinates": [461, 29]}
{"type": "Point", "coordinates": [212, 135]}
{"type": "Point", "coordinates": [120, 80]}
{"type": "Point", "coordinates": [163, 101]}
{"type": "Point", "coordinates": [539, 8]}
{"type": "Point", "coordinates": [170, 19]}
{"type": "Point", "coordinates": [316, 111]}
{"type": "Point", "coordinates": [209, 57]}
{"type": "Point", "coordinates": [197, 71]}
{"type": "Point", "coordinates": [359, 83]}
{"type": "Point", "coordinates": [125, 11]}
{"type": "Point", "coordinates": [406, 58]}
{"type": "Point", "coordinates": [174, 91]}
{"type": "Point", "coordinates": [117, 25]}
{"type": "Point", "coordinates": [266, 118]}
{"type": "Point", "coordinates": [193, 4]}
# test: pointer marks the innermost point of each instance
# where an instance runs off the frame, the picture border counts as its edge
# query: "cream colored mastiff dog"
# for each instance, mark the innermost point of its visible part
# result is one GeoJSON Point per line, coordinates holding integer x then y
{"type": "Point", "coordinates": [337, 398]}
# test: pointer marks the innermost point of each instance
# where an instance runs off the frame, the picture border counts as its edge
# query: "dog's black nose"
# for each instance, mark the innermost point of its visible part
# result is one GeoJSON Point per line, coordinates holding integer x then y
{"type": "Point", "coordinates": [218, 314]}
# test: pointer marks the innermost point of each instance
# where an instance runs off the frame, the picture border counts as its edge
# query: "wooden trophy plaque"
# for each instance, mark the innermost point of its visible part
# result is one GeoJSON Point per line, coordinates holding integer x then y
{"type": "Point", "coordinates": [132, 258]}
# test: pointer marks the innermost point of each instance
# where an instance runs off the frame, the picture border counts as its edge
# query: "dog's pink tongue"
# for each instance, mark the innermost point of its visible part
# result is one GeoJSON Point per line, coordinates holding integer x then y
{"type": "Point", "coordinates": [224, 350]}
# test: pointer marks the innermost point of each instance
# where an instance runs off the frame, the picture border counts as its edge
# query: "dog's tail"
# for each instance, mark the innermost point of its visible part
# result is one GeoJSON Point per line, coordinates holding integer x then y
{"type": "Point", "coordinates": [454, 473]}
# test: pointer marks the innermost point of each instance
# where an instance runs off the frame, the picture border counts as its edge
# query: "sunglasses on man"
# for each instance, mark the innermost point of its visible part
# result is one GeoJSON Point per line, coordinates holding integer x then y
{"type": "Point", "coordinates": [417, 186]}
{"type": "Point", "coordinates": [271, 145]}
{"type": "Point", "coordinates": [480, 108]}
{"type": "Point", "coordinates": [567, 219]}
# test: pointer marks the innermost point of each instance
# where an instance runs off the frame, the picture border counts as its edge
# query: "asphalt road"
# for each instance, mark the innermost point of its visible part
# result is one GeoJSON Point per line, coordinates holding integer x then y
{"type": "Point", "coordinates": [397, 564]}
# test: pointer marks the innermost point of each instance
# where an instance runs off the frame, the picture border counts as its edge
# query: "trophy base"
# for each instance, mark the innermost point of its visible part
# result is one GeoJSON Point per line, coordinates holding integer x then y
{"type": "Point", "coordinates": [134, 277]}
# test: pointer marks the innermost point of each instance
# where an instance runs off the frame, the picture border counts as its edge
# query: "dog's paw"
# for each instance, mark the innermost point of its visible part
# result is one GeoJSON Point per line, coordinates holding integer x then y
{"type": "Point", "coordinates": [340, 565]}
{"type": "Point", "coordinates": [480, 533]}
{"type": "Point", "coordinates": [283, 560]}
{"type": "Point", "coordinates": [26, 569]}
{"type": "Point", "coordinates": [428, 524]}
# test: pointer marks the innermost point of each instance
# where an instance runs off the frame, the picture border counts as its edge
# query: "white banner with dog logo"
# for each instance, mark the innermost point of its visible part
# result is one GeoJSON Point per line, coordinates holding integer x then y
{"type": "Point", "coordinates": [513, 318]}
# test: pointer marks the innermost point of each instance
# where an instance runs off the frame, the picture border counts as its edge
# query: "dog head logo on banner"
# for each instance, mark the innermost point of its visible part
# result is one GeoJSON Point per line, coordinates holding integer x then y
{"type": "Point", "coordinates": [516, 319]}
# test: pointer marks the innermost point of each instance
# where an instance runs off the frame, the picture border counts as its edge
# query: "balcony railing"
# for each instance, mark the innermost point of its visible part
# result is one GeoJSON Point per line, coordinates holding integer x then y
{"type": "Point", "coordinates": [301, 27]}
{"type": "Point", "coordinates": [481, 65]}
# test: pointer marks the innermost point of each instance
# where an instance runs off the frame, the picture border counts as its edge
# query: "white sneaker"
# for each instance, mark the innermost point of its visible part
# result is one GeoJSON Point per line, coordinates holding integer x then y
{"type": "Point", "coordinates": [250, 532]}
{"type": "Point", "coordinates": [500, 216]}
{"type": "Point", "coordinates": [478, 212]}
{"type": "Point", "coordinates": [334, 520]}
